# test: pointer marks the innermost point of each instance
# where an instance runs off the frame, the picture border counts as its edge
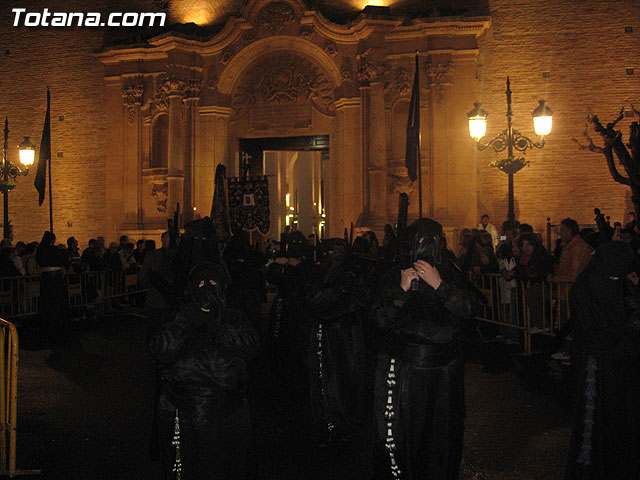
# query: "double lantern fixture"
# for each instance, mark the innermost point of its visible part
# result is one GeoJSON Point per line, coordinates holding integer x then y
{"type": "Point", "coordinates": [510, 140]}
{"type": "Point", "coordinates": [10, 172]}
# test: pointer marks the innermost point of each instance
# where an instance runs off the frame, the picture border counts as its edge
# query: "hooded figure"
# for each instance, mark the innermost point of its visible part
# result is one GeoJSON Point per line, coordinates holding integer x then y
{"type": "Point", "coordinates": [287, 339]}
{"type": "Point", "coordinates": [606, 432]}
{"type": "Point", "coordinates": [337, 365]}
{"type": "Point", "coordinates": [203, 416]}
{"type": "Point", "coordinates": [419, 391]}
{"type": "Point", "coordinates": [53, 301]}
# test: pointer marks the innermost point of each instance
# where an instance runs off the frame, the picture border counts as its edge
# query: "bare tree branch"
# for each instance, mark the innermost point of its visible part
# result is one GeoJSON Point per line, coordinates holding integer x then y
{"type": "Point", "coordinates": [608, 153]}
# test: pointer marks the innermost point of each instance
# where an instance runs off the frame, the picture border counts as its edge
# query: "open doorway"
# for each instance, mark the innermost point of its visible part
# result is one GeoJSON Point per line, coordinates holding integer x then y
{"type": "Point", "coordinates": [296, 168]}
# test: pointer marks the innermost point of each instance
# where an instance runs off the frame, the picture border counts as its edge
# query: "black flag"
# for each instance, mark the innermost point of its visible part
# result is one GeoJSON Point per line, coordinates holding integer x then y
{"type": "Point", "coordinates": [45, 154]}
{"type": "Point", "coordinates": [413, 129]}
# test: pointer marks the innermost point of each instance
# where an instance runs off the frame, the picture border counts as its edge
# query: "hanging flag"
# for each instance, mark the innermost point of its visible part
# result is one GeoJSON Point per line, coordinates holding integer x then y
{"type": "Point", "coordinates": [412, 154]}
{"type": "Point", "coordinates": [220, 207]}
{"type": "Point", "coordinates": [45, 153]}
{"type": "Point", "coordinates": [249, 204]}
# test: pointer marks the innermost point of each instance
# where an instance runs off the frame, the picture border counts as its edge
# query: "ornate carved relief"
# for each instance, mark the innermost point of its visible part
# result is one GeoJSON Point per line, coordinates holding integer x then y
{"type": "Point", "coordinates": [400, 184]}
{"type": "Point", "coordinates": [346, 70]}
{"type": "Point", "coordinates": [330, 49]}
{"type": "Point", "coordinates": [160, 193]}
{"type": "Point", "coordinates": [212, 78]}
{"type": "Point", "coordinates": [439, 75]}
{"type": "Point", "coordinates": [306, 33]}
{"type": "Point", "coordinates": [368, 69]}
{"type": "Point", "coordinates": [227, 55]}
{"type": "Point", "coordinates": [398, 86]}
{"type": "Point", "coordinates": [132, 94]}
{"type": "Point", "coordinates": [283, 79]}
{"type": "Point", "coordinates": [249, 37]}
{"type": "Point", "coordinates": [275, 17]}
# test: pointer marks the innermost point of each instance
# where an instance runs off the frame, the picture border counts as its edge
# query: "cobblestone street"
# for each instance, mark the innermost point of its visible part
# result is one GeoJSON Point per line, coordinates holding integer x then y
{"type": "Point", "coordinates": [86, 414]}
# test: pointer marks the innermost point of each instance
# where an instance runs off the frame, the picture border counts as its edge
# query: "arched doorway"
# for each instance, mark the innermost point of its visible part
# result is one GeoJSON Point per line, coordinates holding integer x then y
{"type": "Point", "coordinates": [296, 168]}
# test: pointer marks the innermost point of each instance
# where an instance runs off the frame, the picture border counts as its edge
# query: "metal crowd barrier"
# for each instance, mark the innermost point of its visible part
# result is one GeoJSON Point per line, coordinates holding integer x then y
{"type": "Point", "coordinates": [9, 400]}
{"type": "Point", "coordinates": [19, 295]}
{"type": "Point", "coordinates": [541, 308]}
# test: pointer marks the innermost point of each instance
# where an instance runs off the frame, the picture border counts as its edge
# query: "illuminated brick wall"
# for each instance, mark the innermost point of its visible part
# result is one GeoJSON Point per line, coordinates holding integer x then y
{"type": "Point", "coordinates": [586, 51]}
{"type": "Point", "coordinates": [584, 48]}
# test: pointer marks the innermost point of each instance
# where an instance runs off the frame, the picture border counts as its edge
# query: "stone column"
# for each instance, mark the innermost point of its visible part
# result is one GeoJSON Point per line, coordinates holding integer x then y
{"type": "Point", "coordinates": [175, 89]}
{"type": "Point", "coordinates": [132, 93]}
{"type": "Point", "coordinates": [346, 167]}
{"type": "Point", "coordinates": [190, 105]}
{"type": "Point", "coordinates": [377, 153]}
{"type": "Point", "coordinates": [212, 147]}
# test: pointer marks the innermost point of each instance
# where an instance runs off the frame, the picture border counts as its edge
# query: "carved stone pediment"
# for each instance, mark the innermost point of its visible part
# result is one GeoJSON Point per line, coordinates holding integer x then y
{"type": "Point", "coordinates": [275, 17]}
{"type": "Point", "coordinates": [283, 79]}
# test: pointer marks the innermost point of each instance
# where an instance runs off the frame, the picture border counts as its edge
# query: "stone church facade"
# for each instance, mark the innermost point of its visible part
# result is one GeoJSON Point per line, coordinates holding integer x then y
{"type": "Point", "coordinates": [156, 117]}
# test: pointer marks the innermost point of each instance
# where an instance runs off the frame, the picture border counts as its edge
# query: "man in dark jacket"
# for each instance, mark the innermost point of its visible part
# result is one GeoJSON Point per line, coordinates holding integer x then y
{"type": "Point", "coordinates": [203, 416]}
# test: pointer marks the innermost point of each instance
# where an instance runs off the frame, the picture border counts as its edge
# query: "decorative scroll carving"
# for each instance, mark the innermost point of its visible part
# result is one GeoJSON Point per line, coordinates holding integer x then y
{"type": "Point", "coordinates": [132, 94]}
{"type": "Point", "coordinates": [330, 49]}
{"type": "Point", "coordinates": [227, 55]}
{"type": "Point", "coordinates": [275, 17]}
{"type": "Point", "coordinates": [439, 75]}
{"type": "Point", "coordinates": [282, 80]}
{"type": "Point", "coordinates": [346, 71]}
{"type": "Point", "coordinates": [212, 78]}
{"type": "Point", "coordinates": [192, 88]}
{"type": "Point", "coordinates": [306, 33]}
{"type": "Point", "coordinates": [400, 184]}
{"type": "Point", "coordinates": [249, 37]}
{"type": "Point", "coordinates": [160, 193]}
{"type": "Point", "coordinates": [368, 70]}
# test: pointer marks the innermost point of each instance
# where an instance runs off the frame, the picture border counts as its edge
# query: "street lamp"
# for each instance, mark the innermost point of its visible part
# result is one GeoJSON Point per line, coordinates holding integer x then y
{"type": "Point", "coordinates": [510, 139]}
{"type": "Point", "coordinates": [10, 170]}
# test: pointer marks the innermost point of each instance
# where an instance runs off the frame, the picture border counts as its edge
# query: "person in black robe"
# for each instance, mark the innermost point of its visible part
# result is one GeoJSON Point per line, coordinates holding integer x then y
{"type": "Point", "coordinates": [338, 304]}
{"type": "Point", "coordinates": [203, 420]}
{"type": "Point", "coordinates": [287, 343]}
{"type": "Point", "coordinates": [245, 265]}
{"type": "Point", "coordinates": [605, 439]}
{"type": "Point", "coordinates": [419, 391]}
{"type": "Point", "coordinates": [53, 303]}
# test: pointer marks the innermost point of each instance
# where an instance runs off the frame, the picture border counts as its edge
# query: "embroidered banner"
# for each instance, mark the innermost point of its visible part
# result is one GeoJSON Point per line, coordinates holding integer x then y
{"type": "Point", "coordinates": [249, 204]}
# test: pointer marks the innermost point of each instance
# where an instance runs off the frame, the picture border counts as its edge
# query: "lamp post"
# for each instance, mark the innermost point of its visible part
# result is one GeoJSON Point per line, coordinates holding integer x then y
{"type": "Point", "coordinates": [10, 170]}
{"type": "Point", "coordinates": [510, 140]}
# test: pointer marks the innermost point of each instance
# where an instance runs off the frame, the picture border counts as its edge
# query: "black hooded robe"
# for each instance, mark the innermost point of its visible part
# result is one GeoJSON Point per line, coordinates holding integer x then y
{"type": "Point", "coordinates": [337, 356]}
{"type": "Point", "coordinates": [202, 405]}
{"type": "Point", "coordinates": [605, 441]}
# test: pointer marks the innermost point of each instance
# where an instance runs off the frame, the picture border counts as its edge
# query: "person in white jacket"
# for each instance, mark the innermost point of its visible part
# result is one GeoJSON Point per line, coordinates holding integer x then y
{"type": "Point", "coordinates": [488, 227]}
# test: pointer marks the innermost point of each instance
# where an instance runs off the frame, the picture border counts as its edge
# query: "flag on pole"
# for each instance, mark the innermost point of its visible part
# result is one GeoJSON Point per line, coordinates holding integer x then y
{"type": "Point", "coordinates": [220, 206]}
{"type": "Point", "coordinates": [412, 154]}
{"type": "Point", "coordinates": [45, 153]}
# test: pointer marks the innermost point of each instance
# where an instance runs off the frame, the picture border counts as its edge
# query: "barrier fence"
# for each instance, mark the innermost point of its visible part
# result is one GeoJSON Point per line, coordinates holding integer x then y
{"type": "Point", "coordinates": [9, 400]}
{"type": "Point", "coordinates": [19, 295]}
{"type": "Point", "coordinates": [540, 308]}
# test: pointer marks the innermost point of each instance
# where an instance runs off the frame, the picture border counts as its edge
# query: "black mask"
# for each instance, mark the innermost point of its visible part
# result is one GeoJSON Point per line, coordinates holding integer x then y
{"type": "Point", "coordinates": [207, 286]}
{"type": "Point", "coordinates": [426, 241]}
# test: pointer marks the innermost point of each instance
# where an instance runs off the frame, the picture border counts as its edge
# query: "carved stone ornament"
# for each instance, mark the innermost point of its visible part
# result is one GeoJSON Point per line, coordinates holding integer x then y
{"type": "Point", "coordinates": [249, 37]}
{"type": "Point", "coordinates": [227, 55]}
{"type": "Point", "coordinates": [400, 184]}
{"type": "Point", "coordinates": [275, 17]}
{"type": "Point", "coordinates": [330, 49]}
{"type": "Point", "coordinates": [212, 78]}
{"type": "Point", "coordinates": [193, 87]}
{"type": "Point", "coordinates": [346, 70]}
{"type": "Point", "coordinates": [160, 193]}
{"type": "Point", "coordinates": [280, 80]}
{"type": "Point", "coordinates": [368, 70]}
{"type": "Point", "coordinates": [398, 86]}
{"type": "Point", "coordinates": [439, 75]}
{"type": "Point", "coordinates": [306, 33]}
{"type": "Point", "coordinates": [132, 95]}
